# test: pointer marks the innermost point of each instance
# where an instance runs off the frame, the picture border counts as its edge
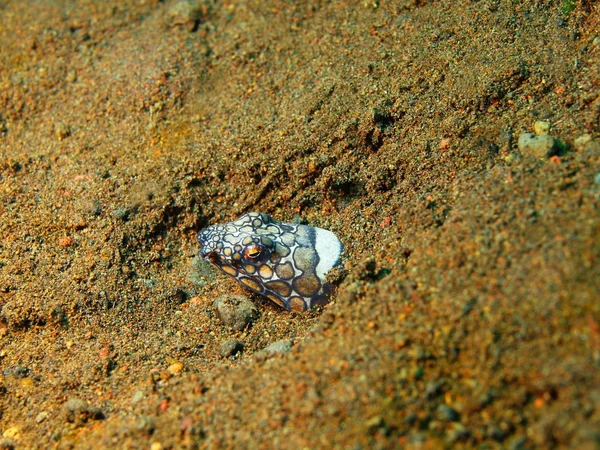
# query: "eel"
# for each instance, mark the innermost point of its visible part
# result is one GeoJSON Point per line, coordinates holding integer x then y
{"type": "Point", "coordinates": [287, 263]}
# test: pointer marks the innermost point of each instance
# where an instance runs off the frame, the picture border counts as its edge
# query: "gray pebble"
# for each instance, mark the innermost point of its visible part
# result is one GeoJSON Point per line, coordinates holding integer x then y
{"type": "Point", "coordinates": [200, 271]}
{"type": "Point", "coordinates": [41, 417]}
{"type": "Point", "coordinates": [121, 213]}
{"type": "Point", "coordinates": [586, 143]}
{"type": "Point", "coordinates": [581, 142]}
{"type": "Point", "coordinates": [237, 312]}
{"type": "Point", "coordinates": [540, 146]}
{"type": "Point", "coordinates": [137, 397]}
{"type": "Point", "coordinates": [231, 348]}
{"type": "Point", "coordinates": [276, 348]}
{"type": "Point", "coordinates": [146, 424]}
{"type": "Point", "coordinates": [518, 443]}
{"type": "Point", "coordinates": [434, 388]}
{"type": "Point", "coordinates": [447, 413]}
{"type": "Point", "coordinates": [496, 433]}
{"type": "Point", "coordinates": [457, 432]}
{"type": "Point", "coordinates": [279, 347]}
{"type": "Point", "coordinates": [185, 13]}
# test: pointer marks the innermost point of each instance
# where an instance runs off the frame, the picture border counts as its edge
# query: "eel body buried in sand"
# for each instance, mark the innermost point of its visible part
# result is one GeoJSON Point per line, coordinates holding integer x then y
{"type": "Point", "coordinates": [286, 263]}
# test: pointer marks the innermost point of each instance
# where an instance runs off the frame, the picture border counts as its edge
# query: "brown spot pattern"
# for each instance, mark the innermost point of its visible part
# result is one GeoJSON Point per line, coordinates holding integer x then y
{"type": "Point", "coordinates": [307, 286]}
{"type": "Point", "coordinates": [285, 271]}
{"type": "Point", "coordinates": [305, 258]}
{"type": "Point", "coordinates": [249, 282]}
{"type": "Point", "coordinates": [279, 287]}
{"type": "Point", "coordinates": [229, 271]}
{"type": "Point", "coordinates": [265, 272]}
{"type": "Point", "coordinates": [276, 299]}
{"type": "Point", "coordinates": [297, 304]}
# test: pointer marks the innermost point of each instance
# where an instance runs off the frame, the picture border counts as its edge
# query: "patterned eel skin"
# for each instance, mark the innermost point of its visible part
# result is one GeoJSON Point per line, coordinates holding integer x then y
{"type": "Point", "coordinates": [286, 263]}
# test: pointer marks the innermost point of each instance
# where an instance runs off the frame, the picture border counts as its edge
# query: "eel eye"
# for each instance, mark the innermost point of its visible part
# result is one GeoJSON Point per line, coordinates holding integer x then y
{"type": "Point", "coordinates": [253, 252]}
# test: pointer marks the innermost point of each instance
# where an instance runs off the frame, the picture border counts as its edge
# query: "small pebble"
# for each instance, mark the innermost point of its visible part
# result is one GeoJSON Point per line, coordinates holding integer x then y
{"type": "Point", "coordinates": [185, 13]}
{"type": "Point", "coordinates": [519, 442]}
{"type": "Point", "coordinates": [121, 213]}
{"type": "Point", "coordinates": [457, 433]}
{"type": "Point", "coordinates": [26, 383]}
{"type": "Point", "coordinates": [581, 143]}
{"type": "Point", "coordinates": [11, 433]}
{"type": "Point", "coordinates": [374, 423]}
{"type": "Point", "coordinates": [434, 388]}
{"type": "Point", "coordinates": [62, 131]}
{"type": "Point", "coordinates": [231, 348]}
{"type": "Point", "coordinates": [71, 76]}
{"type": "Point", "coordinates": [276, 348]}
{"type": "Point", "coordinates": [540, 146]}
{"type": "Point", "coordinates": [447, 413]}
{"type": "Point", "coordinates": [41, 417]}
{"type": "Point", "coordinates": [21, 372]}
{"type": "Point", "coordinates": [541, 127]}
{"type": "Point", "coordinates": [279, 347]}
{"type": "Point", "coordinates": [496, 433]}
{"type": "Point", "coordinates": [146, 424]}
{"type": "Point", "coordinates": [137, 397]}
{"type": "Point", "coordinates": [65, 241]}
{"type": "Point", "coordinates": [237, 312]}
{"type": "Point", "coordinates": [175, 368]}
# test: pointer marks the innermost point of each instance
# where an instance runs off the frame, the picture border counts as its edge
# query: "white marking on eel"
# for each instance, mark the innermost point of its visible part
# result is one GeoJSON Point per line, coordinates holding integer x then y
{"type": "Point", "coordinates": [329, 248]}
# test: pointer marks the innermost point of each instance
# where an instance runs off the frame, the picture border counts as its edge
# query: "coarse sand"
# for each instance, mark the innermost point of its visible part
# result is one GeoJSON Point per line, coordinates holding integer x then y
{"type": "Point", "coordinates": [469, 312]}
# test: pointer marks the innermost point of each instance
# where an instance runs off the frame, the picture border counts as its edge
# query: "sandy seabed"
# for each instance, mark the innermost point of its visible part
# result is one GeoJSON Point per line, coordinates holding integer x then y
{"type": "Point", "coordinates": [469, 316]}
